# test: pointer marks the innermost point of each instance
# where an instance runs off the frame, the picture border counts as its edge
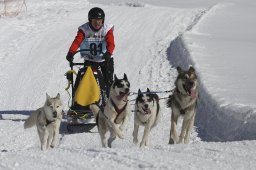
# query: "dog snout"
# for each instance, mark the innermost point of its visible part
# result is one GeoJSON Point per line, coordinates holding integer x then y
{"type": "Point", "coordinates": [127, 90]}
{"type": "Point", "coordinates": [190, 83]}
{"type": "Point", "coordinates": [146, 106]}
{"type": "Point", "coordinates": [54, 114]}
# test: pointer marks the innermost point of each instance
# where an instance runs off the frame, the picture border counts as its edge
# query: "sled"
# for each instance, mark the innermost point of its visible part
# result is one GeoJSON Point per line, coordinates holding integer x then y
{"type": "Point", "coordinates": [89, 87]}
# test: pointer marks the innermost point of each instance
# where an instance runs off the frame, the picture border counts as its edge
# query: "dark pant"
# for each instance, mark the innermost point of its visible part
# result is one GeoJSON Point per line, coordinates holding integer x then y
{"type": "Point", "coordinates": [108, 72]}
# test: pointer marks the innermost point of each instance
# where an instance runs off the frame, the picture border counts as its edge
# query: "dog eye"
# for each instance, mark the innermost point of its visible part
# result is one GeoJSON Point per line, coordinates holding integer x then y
{"type": "Point", "coordinates": [140, 100]}
{"type": "Point", "coordinates": [119, 85]}
{"type": "Point", "coordinates": [150, 100]}
{"type": "Point", "coordinates": [58, 106]}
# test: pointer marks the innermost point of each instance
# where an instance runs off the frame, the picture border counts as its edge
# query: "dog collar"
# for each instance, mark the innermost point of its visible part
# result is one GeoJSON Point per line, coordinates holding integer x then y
{"type": "Point", "coordinates": [49, 122]}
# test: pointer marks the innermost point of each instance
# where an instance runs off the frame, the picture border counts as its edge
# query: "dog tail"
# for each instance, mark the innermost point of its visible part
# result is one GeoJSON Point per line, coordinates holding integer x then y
{"type": "Point", "coordinates": [95, 109]}
{"type": "Point", "coordinates": [31, 120]}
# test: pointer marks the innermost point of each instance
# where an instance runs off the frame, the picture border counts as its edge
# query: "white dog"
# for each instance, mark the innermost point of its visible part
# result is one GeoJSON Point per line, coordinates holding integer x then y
{"type": "Point", "coordinates": [47, 119]}
{"type": "Point", "coordinates": [146, 114]}
{"type": "Point", "coordinates": [116, 112]}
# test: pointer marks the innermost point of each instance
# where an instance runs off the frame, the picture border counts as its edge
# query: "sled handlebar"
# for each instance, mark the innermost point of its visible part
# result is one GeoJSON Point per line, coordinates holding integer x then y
{"type": "Point", "coordinates": [71, 63]}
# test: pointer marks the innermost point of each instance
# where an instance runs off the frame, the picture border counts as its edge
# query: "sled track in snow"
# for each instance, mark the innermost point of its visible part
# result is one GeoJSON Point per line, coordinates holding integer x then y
{"type": "Point", "coordinates": [214, 122]}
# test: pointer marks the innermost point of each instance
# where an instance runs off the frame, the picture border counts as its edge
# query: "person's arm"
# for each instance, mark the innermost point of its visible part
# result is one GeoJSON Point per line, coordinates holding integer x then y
{"type": "Point", "coordinates": [77, 41]}
{"type": "Point", "coordinates": [110, 41]}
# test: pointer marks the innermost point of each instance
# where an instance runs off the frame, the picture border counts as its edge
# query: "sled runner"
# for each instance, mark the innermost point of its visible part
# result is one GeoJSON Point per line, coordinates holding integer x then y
{"type": "Point", "coordinates": [89, 87]}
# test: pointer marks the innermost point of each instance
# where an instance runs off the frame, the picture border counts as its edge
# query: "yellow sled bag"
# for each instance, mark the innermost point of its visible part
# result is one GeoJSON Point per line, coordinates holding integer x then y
{"type": "Point", "coordinates": [88, 90]}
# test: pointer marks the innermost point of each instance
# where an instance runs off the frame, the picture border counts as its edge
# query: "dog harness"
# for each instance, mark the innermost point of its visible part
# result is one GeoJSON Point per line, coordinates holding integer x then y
{"type": "Point", "coordinates": [182, 111]}
{"type": "Point", "coordinates": [118, 111]}
{"type": "Point", "coordinates": [47, 120]}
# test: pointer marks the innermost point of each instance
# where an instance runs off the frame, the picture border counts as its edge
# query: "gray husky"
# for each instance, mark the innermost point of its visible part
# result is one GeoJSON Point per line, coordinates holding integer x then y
{"type": "Point", "coordinates": [47, 120]}
{"type": "Point", "coordinates": [183, 101]}
{"type": "Point", "coordinates": [116, 111]}
{"type": "Point", "coordinates": [146, 114]}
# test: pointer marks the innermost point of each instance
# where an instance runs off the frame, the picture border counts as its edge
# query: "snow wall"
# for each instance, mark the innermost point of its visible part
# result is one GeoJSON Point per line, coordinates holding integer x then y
{"type": "Point", "coordinates": [213, 121]}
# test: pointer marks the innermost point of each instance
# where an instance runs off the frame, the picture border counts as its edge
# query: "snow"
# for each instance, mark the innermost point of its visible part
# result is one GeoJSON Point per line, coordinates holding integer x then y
{"type": "Point", "coordinates": [152, 38]}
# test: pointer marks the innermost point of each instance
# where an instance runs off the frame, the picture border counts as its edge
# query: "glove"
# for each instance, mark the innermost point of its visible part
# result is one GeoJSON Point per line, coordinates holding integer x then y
{"type": "Point", "coordinates": [107, 57]}
{"type": "Point", "coordinates": [70, 57]}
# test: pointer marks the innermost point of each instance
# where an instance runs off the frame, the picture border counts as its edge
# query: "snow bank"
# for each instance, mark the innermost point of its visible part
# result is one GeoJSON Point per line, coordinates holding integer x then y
{"type": "Point", "coordinates": [215, 122]}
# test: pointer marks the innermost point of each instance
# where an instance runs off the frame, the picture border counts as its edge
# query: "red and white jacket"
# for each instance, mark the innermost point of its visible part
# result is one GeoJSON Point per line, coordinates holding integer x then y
{"type": "Point", "coordinates": [102, 40]}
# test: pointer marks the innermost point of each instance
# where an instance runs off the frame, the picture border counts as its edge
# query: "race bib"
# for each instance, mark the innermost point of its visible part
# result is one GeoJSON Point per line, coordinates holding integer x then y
{"type": "Point", "coordinates": [94, 42]}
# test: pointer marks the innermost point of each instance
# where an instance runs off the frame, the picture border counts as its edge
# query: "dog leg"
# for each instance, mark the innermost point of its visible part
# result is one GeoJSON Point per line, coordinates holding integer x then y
{"type": "Point", "coordinates": [43, 135]}
{"type": "Point", "coordinates": [102, 128]}
{"type": "Point", "coordinates": [185, 124]}
{"type": "Point", "coordinates": [135, 133]}
{"type": "Point", "coordinates": [144, 141]}
{"type": "Point", "coordinates": [111, 138]}
{"type": "Point", "coordinates": [103, 140]}
{"type": "Point", "coordinates": [122, 126]}
{"type": "Point", "coordinates": [173, 133]}
{"type": "Point", "coordinates": [116, 129]}
{"type": "Point", "coordinates": [189, 128]}
{"type": "Point", "coordinates": [49, 140]}
{"type": "Point", "coordinates": [56, 138]}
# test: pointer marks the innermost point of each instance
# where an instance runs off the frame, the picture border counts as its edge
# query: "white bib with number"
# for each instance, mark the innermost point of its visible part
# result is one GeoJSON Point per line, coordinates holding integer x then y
{"type": "Point", "coordinates": [94, 42]}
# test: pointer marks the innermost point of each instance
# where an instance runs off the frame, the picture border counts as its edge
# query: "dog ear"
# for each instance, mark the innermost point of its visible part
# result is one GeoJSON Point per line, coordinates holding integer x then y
{"type": "Point", "coordinates": [191, 69]}
{"type": "Point", "coordinates": [47, 96]}
{"type": "Point", "coordinates": [148, 90]}
{"type": "Point", "coordinates": [58, 96]}
{"type": "Point", "coordinates": [115, 77]}
{"type": "Point", "coordinates": [179, 69]}
{"type": "Point", "coordinates": [125, 77]}
{"type": "Point", "coordinates": [139, 92]}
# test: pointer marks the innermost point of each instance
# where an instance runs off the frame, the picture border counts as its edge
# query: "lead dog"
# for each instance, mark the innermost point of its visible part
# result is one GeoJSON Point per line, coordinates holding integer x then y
{"type": "Point", "coordinates": [47, 120]}
{"type": "Point", "coordinates": [183, 101]}
{"type": "Point", "coordinates": [146, 114]}
{"type": "Point", "coordinates": [116, 112]}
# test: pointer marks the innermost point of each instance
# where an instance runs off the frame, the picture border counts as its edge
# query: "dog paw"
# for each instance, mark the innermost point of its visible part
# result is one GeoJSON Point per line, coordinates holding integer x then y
{"type": "Point", "coordinates": [135, 141]}
{"type": "Point", "coordinates": [171, 141]}
{"type": "Point", "coordinates": [121, 128]}
{"type": "Point", "coordinates": [186, 141]}
{"type": "Point", "coordinates": [43, 148]}
{"type": "Point", "coordinates": [121, 136]}
{"type": "Point", "coordinates": [142, 143]}
{"type": "Point", "coordinates": [180, 141]}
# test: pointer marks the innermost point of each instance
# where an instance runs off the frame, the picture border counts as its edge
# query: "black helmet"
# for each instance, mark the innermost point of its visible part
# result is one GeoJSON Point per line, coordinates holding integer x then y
{"type": "Point", "coordinates": [96, 13]}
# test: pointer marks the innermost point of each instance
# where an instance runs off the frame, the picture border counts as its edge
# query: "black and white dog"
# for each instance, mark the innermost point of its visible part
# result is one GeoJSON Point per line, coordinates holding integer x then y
{"type": "Point", "coordinates": [146, 114]}
{"type": "Point", "coordinates": [116, 112]}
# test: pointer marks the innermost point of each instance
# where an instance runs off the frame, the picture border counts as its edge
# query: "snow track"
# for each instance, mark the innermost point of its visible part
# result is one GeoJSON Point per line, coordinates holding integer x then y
{"type": "Point", "coordinates": [149, 44]}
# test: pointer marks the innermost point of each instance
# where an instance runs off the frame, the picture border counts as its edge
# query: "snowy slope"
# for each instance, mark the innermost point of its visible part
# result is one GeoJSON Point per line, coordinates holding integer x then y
{"type": "Point", "coordinates": [149, 41]}
{"type": "Point", "coordinates": [221, 46]}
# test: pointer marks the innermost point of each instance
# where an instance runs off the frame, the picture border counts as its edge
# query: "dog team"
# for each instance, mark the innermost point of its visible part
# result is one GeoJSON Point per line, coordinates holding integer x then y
{"type": "Point", "coordinates": [114, 117]}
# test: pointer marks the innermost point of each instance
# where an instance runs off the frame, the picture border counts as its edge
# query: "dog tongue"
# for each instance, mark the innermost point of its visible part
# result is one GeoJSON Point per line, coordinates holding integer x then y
{"type": "Point", "coordinates": [146, 111]}
{"type": "Point", "coordinates": [125, 97]}
{"type": "Point", "coordinates": [122, 97]}
{"type": "Point", "coordinates": [193, 93]}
